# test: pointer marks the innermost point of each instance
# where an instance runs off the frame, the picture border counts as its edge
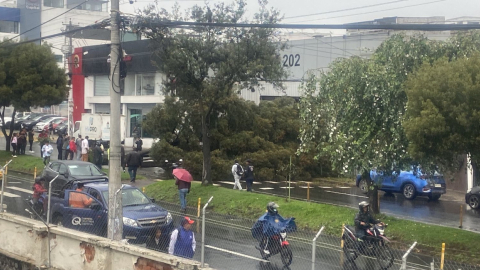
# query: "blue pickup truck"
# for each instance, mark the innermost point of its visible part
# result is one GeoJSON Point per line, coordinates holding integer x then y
{"type": "Point", "coordinates": [140, 214]}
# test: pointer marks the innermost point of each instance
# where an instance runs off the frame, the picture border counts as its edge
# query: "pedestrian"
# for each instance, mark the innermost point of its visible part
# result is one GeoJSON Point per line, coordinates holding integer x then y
{"type": "Point", "coordinates": [183, 190]}
{"type": "Point", "coordinates": [122, 155]}
{"type": "Point", "coordinates": [50, 127]}
{"type": "Point", "coordinates": [79, 199]}
{"type": "Point", "coordinates": [14, 144]}
{"type": "Point", "coordinates": [97, 155]}
{"type": "Point", "coordinates": [59, 147]}
{"type": "Point", "coordinates": [65, 146]}
{"type": "Point", "coordinates": [30, 139]}
{"type": "Point", "coordinates": [133, 160]}
{"type": "Point", "coordinates": [47, 151]}
{"type": "Point", "coordinates": [85, 148]}
{"type": "Point", "coordinates": [72, 148]}
{"type": "Point", "coordinates": [22, 141]}
{"type": "Point", "coordinates": [158, 242]}
{"type": "Point", "coordinates": [237, 172]}
{"type": "Point", "coordinates": [78, 143]}
{"type": "Point", "coordinates": [182, 240]}
{"type": "Point", "coordinates": [42, 137]}
{"type": "Point", "coordinates": [139, 144]}
{"type": "Point", "coordinates": [249, 175]}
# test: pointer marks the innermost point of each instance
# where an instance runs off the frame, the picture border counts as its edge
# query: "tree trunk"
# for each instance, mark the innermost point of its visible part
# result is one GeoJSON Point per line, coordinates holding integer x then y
{"type": "Point", "coordinates": [7, 143]}
{"type": "Point", "coordinates": [207, 157]}
{"type": "Point", "coordinates": [372, 192]}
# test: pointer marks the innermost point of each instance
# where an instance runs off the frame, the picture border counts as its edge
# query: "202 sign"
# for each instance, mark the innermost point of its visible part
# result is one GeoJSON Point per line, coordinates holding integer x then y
{"type": "Point", "coordinates": [291, 60]}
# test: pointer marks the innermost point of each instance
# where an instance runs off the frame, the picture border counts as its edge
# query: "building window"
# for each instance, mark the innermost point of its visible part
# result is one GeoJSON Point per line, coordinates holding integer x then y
{"type": "Point", "coordinates": [136, 118]}
{"type": "Point", "coordinates": [53, 3]}
{"type": "Point", "coordinates": [101, 86]}
{"type": "Point", "coordinates": [9, 27]}
{"type": "Point", "coordinates": [92, 5]}
{"type": "Point", "coordinates": [59, 58]}
{"type": "Point", "coordinates": [145, 85]}
{"type": "Point", "coordinates": [102, 108]}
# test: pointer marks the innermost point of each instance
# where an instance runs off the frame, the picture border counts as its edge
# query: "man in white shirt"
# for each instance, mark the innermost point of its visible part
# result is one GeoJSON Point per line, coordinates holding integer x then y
{"type": "Point", "coordinates": [47, 150]}
{"type": "Point", "coordinates": [237, 172]}
{"type": "Point", "coordinates": [85, 149]}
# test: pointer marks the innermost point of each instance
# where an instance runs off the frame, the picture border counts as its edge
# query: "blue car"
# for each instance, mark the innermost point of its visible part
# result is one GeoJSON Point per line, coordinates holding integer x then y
{"type": "Point", "coordinates": [140, 214]}
{"type": "Point", "coordinates": [409, 183]}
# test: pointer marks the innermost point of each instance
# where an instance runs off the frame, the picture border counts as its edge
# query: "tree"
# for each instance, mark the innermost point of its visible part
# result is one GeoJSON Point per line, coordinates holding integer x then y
{"type": "Point", "coordinates": [29, 77]}
{"type": "Point", "coordinates": [442, 112]}
{"type": "Point", "coordinates": [353, 112]}
{"type": "Point", "coordinates": [204, 63]}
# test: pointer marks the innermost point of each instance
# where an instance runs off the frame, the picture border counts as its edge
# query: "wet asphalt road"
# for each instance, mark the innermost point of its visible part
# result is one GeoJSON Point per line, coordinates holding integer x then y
{"type": "Point", "coordinates": [229, 244]}
{"type": "Point", "coordinates": [445, 211]}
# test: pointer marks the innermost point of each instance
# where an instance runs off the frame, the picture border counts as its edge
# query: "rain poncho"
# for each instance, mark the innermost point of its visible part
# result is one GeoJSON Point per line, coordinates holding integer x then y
{"type": "Point", "coordinates": [269, 225]}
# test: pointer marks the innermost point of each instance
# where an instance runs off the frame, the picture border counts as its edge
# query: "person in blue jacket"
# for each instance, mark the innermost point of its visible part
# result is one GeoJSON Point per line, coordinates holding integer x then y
{"type": "Point", "coordinates": [182, 240]}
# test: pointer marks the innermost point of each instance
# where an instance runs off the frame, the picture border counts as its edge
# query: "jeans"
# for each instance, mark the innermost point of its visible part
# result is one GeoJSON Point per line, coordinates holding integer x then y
{"type": "Point", "coordinates": [31, 143]}
{"type": "Point", "coordinates": [60, 156]}
{"type": "Point", "coordinates": [132, 170]}
{"type": "Point", "coordinates": [249, 184]}
{"type": "Point", "coordinates": [182, 193]}
{"type": "Point", "coordinates": [46, 160]}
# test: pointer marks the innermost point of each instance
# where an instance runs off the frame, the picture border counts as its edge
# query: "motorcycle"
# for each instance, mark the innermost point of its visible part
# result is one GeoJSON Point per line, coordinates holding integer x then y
{"type": "Point", "coordinates": [37, 208]}
{"type": "Point", "coordinates": [374, 245]}
{"type": "Point", "coordinates": [271, 233]}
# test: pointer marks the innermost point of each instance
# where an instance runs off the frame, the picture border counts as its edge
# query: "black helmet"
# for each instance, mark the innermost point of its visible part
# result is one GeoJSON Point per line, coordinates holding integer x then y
{"type": "Point", "coordinates": [38, 179]}
{"type": "Point", "coordinates": [363, 204]}
{"type": "Point", "coordinates": [272, 208]}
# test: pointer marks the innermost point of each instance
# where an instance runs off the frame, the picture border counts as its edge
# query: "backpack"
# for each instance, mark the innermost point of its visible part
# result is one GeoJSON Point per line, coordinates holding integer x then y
{"type": "Point", "coordinates": [239, 170]}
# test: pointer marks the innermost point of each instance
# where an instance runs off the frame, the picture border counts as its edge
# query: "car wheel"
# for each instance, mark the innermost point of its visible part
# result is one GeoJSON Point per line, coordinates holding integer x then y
{"type": "Point", "coordinates": [474, 201]}
{"type": "Point", "coordinates": [409, 192]}
{"type": "Point", "coordinates": [363, 186]}
{"type": "Point", "coordinates": [434, 197]}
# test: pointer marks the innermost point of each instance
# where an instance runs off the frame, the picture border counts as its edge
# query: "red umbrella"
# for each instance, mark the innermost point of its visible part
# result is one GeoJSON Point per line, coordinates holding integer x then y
{"type": "Point", "coordinates": [183, 175]}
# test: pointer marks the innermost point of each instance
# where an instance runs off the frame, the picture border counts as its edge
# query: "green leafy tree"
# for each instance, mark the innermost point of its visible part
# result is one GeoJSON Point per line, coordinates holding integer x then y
{"type": "Point", "coordinates": [443, 113]}
{"type": "Point", "coordinates": [353, 112]}
{"type": "Point", "coordinates": [204, 63]}
{"type": "Point", "coordinates": [29, 77]}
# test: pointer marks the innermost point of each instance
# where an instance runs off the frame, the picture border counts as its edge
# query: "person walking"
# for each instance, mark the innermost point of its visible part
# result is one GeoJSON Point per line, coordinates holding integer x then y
{"type": "Point", "coordinates": [50, 127]}
{"type": "Point", "coordinates": [65, 146]}
{"type": "Point", "coordinates": [73, 148]}
{"type": "Point", "coordinates": [78, 143]}
{"type": "Point", "coordinates": [47, 151]}
{"type": "Point", "coordinates": [133, 160]}
{"type": "Point", "coordinates": [85, 148]}
{"type": "Point", "coordinates": [183, 188]}
{"type": "Point", "coordinates": [42, 137]}
{"type": "Point", "coordinates": [122, 155]}
{"type": "Point", "coordinates": [237, 172]}
{"type": "Point", "coordinates": [139, 144]}
{"type": "Point", "coordinates": [59, 147]}
{"type": "Point", "coordinates": [97, 155]}
{"type": "Point", "coordinates": [249, 175]}
{"type": "Point", "coordinates": [14, 142]}
{"type": "Point", "coordinates": [30, 139]}
{"type": "Point", "coordinates": [182, 240]}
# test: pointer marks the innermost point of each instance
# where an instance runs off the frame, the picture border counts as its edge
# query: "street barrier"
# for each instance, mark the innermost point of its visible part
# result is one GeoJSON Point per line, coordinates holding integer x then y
{"type": "Point", "coordinates": [4, 179]}
{"type": "Point", "coordinates": [404, 258]}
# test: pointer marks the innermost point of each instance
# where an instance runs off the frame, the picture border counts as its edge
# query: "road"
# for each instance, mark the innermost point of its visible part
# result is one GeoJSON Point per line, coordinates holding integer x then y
{"type": "Point", "coordinates": [445, 212]}
{"type": "Point", "coordinates": [229, 244]}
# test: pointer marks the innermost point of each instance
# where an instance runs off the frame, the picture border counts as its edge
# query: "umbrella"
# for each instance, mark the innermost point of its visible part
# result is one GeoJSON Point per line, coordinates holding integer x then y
{"type": "Point", "coordinates": [183, 175]}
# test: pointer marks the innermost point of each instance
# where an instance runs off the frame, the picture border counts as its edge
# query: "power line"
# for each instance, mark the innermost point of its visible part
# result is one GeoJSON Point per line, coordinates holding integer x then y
{"type": "Point", "coordinates": [347, 9]}
{"type": "Point", "coordinates": [44, 22]}
{"type": "Point", "coordinates": [363, 13]}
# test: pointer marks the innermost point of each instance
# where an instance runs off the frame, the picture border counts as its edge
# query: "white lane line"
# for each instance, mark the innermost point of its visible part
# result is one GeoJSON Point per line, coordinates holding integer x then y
{"type": "Point", "coordinates": [21, 189]}
{"type": "Point", "coordinates": [14, 182]}
{"type": "Point", "coordinates": [343, 187]}
{"type": "Point", "coordinates": [353, 195]}
{"type": "Point", "coordinates": [257, 183]}
{"type": "Point", "coordinates": [287, 187]}
{"type": "Point", "coordinates": [271, 182]}
{"type": "Point", "coordinates": [225, 182]}
{"type": "Point", "coordinates": [216, 185]}
{"type": "Point", "coordinates": [11, 195]}
{"type": "Point", "coordinates": [236, 253]}
{"type": "Point", "coordinates": [266, 188]}
{"type": "Point", "coordinates": [305, 187]}
{"type": "Point", "coordinates": [325, 187]}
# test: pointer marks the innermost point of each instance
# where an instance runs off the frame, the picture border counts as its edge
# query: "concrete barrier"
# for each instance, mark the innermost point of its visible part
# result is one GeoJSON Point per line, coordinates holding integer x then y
{"type": "Point", "coordinates": [26, 240]}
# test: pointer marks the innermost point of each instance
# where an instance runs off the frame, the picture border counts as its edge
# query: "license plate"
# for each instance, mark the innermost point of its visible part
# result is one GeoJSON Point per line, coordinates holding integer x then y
{"type": "Point", "coordinates": [438, 185]}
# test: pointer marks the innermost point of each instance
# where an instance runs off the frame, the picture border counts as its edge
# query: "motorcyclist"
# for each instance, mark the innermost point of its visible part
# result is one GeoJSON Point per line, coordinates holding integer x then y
{"type": "Point", "coordinates": [38, 190]}
{"type": "Point", "coordinates": [363, 219]}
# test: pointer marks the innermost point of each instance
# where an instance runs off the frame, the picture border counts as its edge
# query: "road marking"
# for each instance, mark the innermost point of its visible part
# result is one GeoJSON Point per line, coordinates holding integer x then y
{"type": "Point", "coordinates": [305, 187]}
{"type": "Point", "coordinates": [11, 195]}
{"type": "Point", "coordinates": [354, 195]}
{"type": "Point", "coordinates": [266, 188]}
{"type": "Point", "coordinates": [21, 189]}
{"type": "Point", "coordinates": [343, 187]}
{"type": "Point", "coordinates": [287, 187]}
{"type": "Point", "coordinates": [325, 187]}
{"type": "Point", "coordinates": [271, 182]}
{"type": "Point", "coordinates": [14, 182]}
{"type": "Point", "coordinates": [225, 182]}
{"type": "Point", "coordinates": [217, 185]}
{"type": "Point", "coordinates": [236, 253]}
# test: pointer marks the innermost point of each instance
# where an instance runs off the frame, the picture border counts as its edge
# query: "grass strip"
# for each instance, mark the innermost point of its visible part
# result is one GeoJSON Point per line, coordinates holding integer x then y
{"type": "Point", "coordinates": [27, 164]}
{"type": "Point", "coordinates": [461, 245]}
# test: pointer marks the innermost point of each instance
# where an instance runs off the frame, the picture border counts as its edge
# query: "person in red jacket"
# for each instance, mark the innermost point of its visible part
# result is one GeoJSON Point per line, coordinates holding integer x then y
{"type": "Point", "coordinates": [72, 147]}
{"type": "Point", "coordinates": [38, 190]}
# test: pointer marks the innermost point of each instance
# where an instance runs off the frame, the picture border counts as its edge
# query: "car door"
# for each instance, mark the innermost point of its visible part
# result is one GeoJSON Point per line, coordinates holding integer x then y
{"type": "Point", "coordinates": [91, 219]}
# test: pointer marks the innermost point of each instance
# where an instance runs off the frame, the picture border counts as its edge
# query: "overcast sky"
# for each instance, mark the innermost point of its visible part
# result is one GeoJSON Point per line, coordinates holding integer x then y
{"type": "Point", "coordinates": [344, 11]}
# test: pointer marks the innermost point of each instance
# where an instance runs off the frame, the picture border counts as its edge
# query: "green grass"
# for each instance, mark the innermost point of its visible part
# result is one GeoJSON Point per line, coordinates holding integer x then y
{"type": "Point", "coordinates": [460, 245]}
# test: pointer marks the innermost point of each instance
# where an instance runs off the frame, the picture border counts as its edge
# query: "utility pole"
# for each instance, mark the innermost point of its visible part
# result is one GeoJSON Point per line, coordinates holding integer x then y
{"type": "Point", "coordinates": [115, 211]}
{"type": "Point", "coordinates": [67, 50]}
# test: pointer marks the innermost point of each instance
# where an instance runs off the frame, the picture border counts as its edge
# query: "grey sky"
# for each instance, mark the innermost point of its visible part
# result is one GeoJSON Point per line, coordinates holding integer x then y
{"type": "Point", "coordinates": [378, 9]}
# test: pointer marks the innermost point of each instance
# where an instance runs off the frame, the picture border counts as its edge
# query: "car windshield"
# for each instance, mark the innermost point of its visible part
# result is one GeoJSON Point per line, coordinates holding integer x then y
{"type": "Point", "coordinates": [84, 170]}
{"type": "Point", "coordinates": [37, 118]}
{"type": "Point", "coordinates": [130, 197]}
{"type": "Point", "coordinates": [58, 120]}
{"type": "Point", "coordinates": [48, 119]}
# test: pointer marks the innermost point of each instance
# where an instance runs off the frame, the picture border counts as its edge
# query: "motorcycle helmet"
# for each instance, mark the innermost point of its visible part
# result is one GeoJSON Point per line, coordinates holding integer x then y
{"type": "Point", "coordinates": [272, 208]}
{"type": "Point", "coordinates": [363, 204]}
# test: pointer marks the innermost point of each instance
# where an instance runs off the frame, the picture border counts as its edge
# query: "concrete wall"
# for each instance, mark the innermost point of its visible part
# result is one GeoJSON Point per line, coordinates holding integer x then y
{"type": "Point", "coordinates": [25, 241]}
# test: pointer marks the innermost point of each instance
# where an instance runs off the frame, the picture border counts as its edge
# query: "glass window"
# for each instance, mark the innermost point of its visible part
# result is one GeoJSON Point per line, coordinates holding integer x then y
{"type": "Point", "coordinates": [135, 123]}
{"type": "Point", "coordinates": [55, 166]}
{"type": "Point", "coordinates": [92, 5]}
{"type": "Point", "coordinates": [63, 169]}
{"type": "Point", "coordinates": [101, 86]}
{"type": "Point", "coordinates": [84, 170]}
{"type": "Point", "coordinates": [131, 197]}
{"type": "Point", "coordinates": [59, 58]}
{"type": "Point", "coordinates": [102, 108]}
{"type": "Point", "coordinates": [145, 85]}
{"type": "Point", "coordinates": [53, 3]}
{"type": "Point", "coordinates": [8, 27]}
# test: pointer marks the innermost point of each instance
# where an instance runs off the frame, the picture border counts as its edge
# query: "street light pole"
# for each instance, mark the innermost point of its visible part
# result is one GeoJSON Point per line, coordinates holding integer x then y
{"type": "Point", "coordinates": [115, 213]}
